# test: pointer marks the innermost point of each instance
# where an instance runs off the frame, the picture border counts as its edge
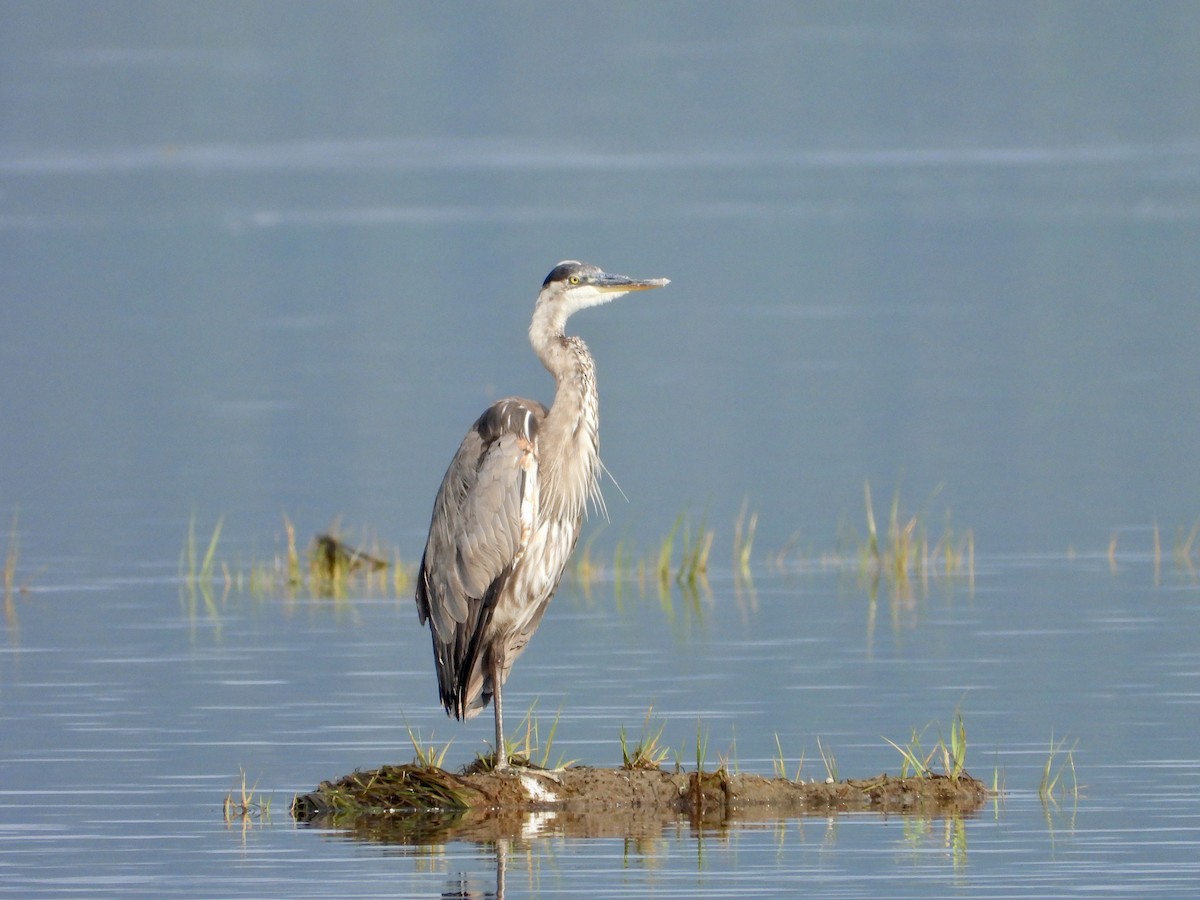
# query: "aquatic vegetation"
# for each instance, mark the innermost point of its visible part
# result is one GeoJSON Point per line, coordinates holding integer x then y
{"type": "Point", "coordinates": [743, 539]}
{"type": "Point", "coordinates": [527, 748]}
{"type": "Point", "coordinates": [695, 546]}
{"type": "Point", "coordinates": [196, 572]}
{"type": "Point", "coordinates": [901, 555]}
{"type": "Point", "coordinates": [829, 761]}
{"type": "Point", "coordinates": [905, 551]}
{"type": "Point", "coordinates": [728, 762]}
{"type": "Point", "coordinates": [1184, 551]}
{"type": "Point", "coordinates": [245, 806]}
{"type": "Point", "coordinates": [701, 747]}
{"type": "Point", "coordinates": [427, 755]}
{"type": "Point", "coordinates": [953, 754]}
{"type": "Point", "coordinates": [954, 757]}
{"type": "Point", "coordinates": [333, 564]}
{"type": "Point", "coordinates": [587, 570]}
{"type": "Point", "coordinates": [649, 753]}
{"type": "Point", "coordinates": [693, 567]}
{"type": "Point", "coordinates": [10, 561]}
{"type": "Point", "coordinates": [386, 790]}
{"type": "Point", "coordinates": [701, 750]}
{"type": "Point", "coordinates": [329, 567]}
{"type": "Point", "coordinates": [622, 565]}
{"type": "Point", "coordinates": [779, 764]}
{"type": "Point", "coordinates": [915, 761]}
{"type": "Point", "coordinates": [1181, 552]}
{"type": "Point", "coordinates": [1058, 767]}
{"type": "Point", "coordinates": [665, 551]}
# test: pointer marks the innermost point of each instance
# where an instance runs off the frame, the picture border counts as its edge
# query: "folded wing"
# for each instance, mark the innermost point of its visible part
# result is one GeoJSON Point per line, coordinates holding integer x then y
{"type": "Point", "coordinates": [483, 517]}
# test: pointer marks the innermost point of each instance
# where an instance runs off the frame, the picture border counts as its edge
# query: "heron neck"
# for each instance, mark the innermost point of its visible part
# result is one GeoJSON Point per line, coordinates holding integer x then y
{"type": "Point", "coordinates": [569, 437]}
{"type": "Point", "coordinates": [565, 357]}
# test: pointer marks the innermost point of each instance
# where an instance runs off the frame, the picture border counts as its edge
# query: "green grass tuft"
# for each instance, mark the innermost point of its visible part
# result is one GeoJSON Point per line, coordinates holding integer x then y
{"type": "Point", "coordinates": [650, 753]}
{"type": "Point", "coordinates": [427, 755]}
{"type": "Point", "coordinates": [915, 759]}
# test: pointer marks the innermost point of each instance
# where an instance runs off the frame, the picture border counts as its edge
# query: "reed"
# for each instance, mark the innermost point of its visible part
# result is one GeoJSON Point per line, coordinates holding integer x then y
{"type": "Point", "coordinates": [701, 750]}
{"type": "Point", "coordinates": [779, 764]}
{"type": "Point", "coordinates": [905, 553]}
{"type": "Point", "coordinates": [402, 576]}
{"type": "Point", "coordinates": [666, 549]}
{"type": "Point", "coordinates": [693, 567]}
{"type": "Point", "coordinates": [12, 554]}
{"type": "Point", "coordinates": [743, 538]}
{"type": "Point", "coordinates": [197, 571]}
{"type": "Point", "coordinates": [622, 567]}
{"type": "Point", "coordinates": [1058, 768]}
{"type": "Point", "coordinates": [244, 806]}
{"type": "Point", "coordinates": [955, 756]}
{"type": "Point", "coordinates": [588, 570]}
{"type": "Point", "coordinates": [728, 762]}
{"type": "Point", "coordinates": [294, 575]}
{"type": "Point", "coordinates": [829, 761]}
{"type": "Point", "coordinates": [1184, 542]}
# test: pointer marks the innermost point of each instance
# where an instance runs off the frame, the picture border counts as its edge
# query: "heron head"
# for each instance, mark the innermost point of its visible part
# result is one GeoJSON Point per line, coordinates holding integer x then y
{"type": "Point", "coordinates": [574, 285]}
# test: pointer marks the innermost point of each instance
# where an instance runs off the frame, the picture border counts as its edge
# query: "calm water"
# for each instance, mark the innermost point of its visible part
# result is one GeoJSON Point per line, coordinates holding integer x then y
{"type": "Point", "coordinates": [265, 259]}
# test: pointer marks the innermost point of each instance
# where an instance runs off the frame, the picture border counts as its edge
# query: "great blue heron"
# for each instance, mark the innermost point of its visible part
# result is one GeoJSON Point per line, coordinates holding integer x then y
{"type": "Point", "coordinates": [508, 513]}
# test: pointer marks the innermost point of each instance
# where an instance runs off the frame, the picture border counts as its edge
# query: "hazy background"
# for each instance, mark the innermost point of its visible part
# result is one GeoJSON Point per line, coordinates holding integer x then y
{"type": "Point", "coordinates": [275, 257]}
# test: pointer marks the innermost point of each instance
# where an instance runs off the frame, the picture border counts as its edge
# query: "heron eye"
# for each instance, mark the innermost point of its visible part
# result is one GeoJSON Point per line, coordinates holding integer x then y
{"type": "Point", "coordinates": [574, 279]}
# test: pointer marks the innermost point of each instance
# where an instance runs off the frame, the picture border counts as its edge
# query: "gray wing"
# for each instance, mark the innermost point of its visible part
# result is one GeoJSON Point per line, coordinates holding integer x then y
{"type": "Point", "coordinates": [483, 517]}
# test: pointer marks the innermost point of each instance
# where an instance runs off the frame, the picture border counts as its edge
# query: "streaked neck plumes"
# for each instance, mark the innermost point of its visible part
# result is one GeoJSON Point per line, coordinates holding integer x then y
{"type": "Point", "coordinates": [570, 443]}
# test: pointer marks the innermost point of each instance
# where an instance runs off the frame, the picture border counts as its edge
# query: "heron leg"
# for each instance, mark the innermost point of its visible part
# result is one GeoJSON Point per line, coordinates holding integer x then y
{"type": "Point", "coordinates": [501, 756]}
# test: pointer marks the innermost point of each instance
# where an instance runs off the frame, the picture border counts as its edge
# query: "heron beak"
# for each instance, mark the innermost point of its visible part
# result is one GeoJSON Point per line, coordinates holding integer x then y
{"type": "Point", "coordinates": [606, 283]}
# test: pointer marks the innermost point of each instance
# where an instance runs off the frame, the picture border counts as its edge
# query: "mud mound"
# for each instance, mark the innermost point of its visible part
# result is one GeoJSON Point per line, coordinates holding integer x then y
{"type": "Point", "coordinates": [412, 803]}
